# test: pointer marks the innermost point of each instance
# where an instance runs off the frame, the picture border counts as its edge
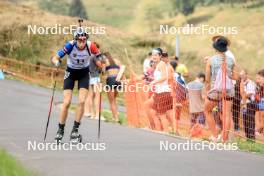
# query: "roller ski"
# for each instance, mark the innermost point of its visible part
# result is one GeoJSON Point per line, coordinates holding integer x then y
{"type": "Point", "coordinates": [75, 136]}
{"type": "Point", "coordinates": [60, 134]}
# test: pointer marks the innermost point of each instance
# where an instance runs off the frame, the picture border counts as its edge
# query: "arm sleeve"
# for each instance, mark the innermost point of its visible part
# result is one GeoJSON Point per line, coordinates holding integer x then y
{"type": "Point", "coordinates": [65, 50]}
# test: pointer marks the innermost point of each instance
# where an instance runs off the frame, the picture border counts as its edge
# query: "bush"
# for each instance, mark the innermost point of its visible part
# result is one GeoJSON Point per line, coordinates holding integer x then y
{"type": "Point", "coordinates": [77, 9]}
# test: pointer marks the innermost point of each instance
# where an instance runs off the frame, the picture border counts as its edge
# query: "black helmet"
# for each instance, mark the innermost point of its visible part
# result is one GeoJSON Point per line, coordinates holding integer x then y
{"type": "Point", "coordinates": [80, 32]}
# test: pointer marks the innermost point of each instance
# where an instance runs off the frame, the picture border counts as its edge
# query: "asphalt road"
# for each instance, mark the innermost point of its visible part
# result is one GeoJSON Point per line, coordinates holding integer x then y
{"type": "Point", "coordinates": [129, 151]}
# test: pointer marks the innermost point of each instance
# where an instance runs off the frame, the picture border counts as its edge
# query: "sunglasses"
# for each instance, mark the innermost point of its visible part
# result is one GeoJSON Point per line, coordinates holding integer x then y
{"type": "Point", "coordinates": [81, 40]}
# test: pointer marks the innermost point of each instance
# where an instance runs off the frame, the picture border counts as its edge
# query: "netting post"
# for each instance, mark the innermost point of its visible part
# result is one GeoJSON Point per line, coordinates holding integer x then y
{"type": "Point", "coordinates": [224, 108]}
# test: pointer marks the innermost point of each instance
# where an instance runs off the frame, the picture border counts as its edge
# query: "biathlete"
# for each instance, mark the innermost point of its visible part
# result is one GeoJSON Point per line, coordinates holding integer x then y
{"type": "Point", "coordinates": [79, 51]}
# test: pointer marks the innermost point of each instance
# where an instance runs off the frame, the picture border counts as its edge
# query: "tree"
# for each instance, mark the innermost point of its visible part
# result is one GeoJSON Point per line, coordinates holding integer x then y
{"type": "Point", "coordinates": [185, 6]}
{"type": "Point", "coordinates": [77, 9]}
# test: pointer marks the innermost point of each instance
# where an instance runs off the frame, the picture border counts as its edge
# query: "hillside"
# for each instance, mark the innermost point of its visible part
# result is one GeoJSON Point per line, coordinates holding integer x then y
{"type": "Point", "coordinates": [247, 44]}
{"type": "Point", "coordinates": [15, 42]}
{"type": "Point", "coordinates": [135, 27]}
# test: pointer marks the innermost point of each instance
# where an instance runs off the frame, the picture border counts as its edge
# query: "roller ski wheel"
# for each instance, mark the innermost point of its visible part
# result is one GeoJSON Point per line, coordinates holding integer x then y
{"type": "Point", "coordinates": [75, 137]}
{"type": "Point", "coordinates": [59, 136]}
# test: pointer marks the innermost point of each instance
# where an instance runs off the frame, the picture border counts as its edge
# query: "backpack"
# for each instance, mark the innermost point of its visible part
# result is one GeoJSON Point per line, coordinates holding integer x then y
{"type": "Point", "coordinates": [180, 89]}
{"type": "Point", "coordinates": [222, 81]}
{"type": "Point", "coordinates": [180, 79]}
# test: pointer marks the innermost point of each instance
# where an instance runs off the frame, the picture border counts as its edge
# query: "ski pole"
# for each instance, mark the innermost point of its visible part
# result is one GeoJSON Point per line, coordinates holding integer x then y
{"type": "Point", "coordinates": [50, 107]}
{"type": "Point", "coordinates": [100, 107]}
{"type": "Point", "coordinates": [99, 119]}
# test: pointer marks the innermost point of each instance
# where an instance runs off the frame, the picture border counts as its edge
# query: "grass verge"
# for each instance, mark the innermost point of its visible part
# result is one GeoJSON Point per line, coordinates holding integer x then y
{"type": "Point", "coordinates": [9, 166]}
{"type": "Point", "coordinates": [107, 114]}
{"type": "Point", "coordinates": [250, 146]}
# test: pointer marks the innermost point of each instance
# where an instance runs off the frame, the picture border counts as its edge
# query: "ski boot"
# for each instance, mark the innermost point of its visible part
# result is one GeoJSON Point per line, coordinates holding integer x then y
{"type": "Point", "coordinates": [75, 136]}
{"type": "Point", "coordinates": [59, 136]}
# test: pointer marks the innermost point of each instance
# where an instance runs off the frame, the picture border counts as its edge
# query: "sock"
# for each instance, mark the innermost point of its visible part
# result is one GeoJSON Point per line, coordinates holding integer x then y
{"type": "Point", "coordinates": [76, 125]}
{"type": "Point", "coordinates": [61, 126]}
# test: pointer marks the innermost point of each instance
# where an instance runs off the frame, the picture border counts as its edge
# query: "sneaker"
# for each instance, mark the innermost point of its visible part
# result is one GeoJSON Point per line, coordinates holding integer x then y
{"type": "Point", "coordinates": [215, 139]}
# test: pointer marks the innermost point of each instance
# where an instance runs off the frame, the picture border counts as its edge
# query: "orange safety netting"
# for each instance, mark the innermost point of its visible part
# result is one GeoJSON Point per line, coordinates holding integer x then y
{"type": "Point", "coordinates": [246, 122]}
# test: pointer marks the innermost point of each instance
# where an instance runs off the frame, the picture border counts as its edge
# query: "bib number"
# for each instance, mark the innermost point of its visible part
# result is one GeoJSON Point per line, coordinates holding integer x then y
{"type": "Point", "coordinates": [80, 61]}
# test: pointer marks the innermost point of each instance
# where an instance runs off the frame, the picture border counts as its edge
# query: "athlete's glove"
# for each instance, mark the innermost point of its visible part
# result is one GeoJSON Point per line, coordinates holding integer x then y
{"type": "Point", "coordinates": [57, 63]}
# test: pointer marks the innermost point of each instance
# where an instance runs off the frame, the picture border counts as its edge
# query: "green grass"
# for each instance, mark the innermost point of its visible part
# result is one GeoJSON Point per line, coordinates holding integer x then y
{"type": "Point", "coordinates": [117, 13]}
{"type": "Point", "coordinates": [9, 166]}
{"type": "Point", "coordinates": [107, 114]}
{"type": "Point", "coordinates": [250, 146]}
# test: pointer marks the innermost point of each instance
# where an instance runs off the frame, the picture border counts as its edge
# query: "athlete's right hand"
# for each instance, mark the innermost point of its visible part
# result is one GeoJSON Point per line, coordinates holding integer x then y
{"type": "Point", "coordinates": [57, 63]}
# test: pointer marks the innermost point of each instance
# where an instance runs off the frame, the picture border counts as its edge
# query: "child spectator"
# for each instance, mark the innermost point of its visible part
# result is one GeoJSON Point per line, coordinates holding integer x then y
{"type": "Point", "coordinates": [196, 96]}
{"type": "Point", "coordinates": [147, 63]}
{"type": "Point", "coordinates": [248, 92]}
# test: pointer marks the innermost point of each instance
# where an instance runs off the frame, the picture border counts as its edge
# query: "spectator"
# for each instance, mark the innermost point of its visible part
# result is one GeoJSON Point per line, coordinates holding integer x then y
{"type": "Point", "coordinates": [147, 63]}
{"type": "Point", "coordinates": [260, 78]}
{"type": "Point", "coordinates": [177, 76]}
{"type": "Point", "coordinates": [248, 93]}
{"type": "Point", "coordinates": [162, 100]}
{"type": "Point", "coordinates": [196, 96]}
{"type": "Point", "coordinates": [228, 52]}
{"type": "Point", "coordinates": [181, 68]}
{"type": "Point", "coordinates": [216, 65]}
{"type": "Point", "coordinates": [148, 105]}
{"type": "Point", "coordinates": [179, 93]}
{"type": "Point", "coordinates": [237, 97]}
{"type": "Point", "coordinates": [260, 102]}
{"type": "Point", "coordinates": [171, 119]}
{"type": "Point", "coordinates": [149, 74]}
{"type": "Point", "coordinates": [93, 98]}
{"type": "Point", "coordinates": [112, 70]}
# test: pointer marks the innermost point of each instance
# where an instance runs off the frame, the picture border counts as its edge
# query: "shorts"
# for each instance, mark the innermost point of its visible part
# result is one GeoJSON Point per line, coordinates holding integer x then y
{"type": "Point", "coordinates": [80, 75]}
{"type": "Point", "coordinates": [112, 83]}
{"type": "Point", "coordinates": [261, 105]}
{"type": "Point", "coordinates": [94, 80]}
{"type": "Point", "coordinates": [198, 115]}
{"type": "Point", "coordinates": [214, 95]}
{"type": "Point", "coordinates": [162, 102]}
